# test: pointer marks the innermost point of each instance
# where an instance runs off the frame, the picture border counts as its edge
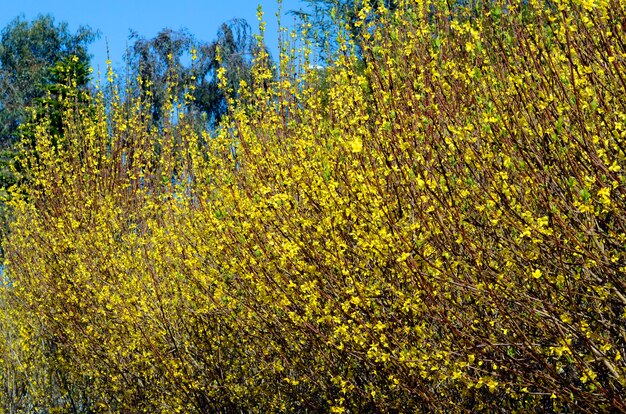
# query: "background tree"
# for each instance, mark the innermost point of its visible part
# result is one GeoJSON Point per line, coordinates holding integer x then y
{"type": "Point", "coordinates": [324, 20]}
{"type": "Point", "coordinates": [27, 52]}
{"type": "Point", "coordinates": [157, 63]}
{"type": "Point", "coordinates": [32, 56]}
{"type": "Point", "coordinates": [165, 67]}
{"type": "Point", "coordinates": [67, 83]}
{"type": "Point", "coordinates": [233, 50]}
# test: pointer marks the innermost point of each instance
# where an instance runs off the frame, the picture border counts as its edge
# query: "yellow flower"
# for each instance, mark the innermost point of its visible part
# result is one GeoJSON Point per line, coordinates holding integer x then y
{"type": "Point", "coordinates": [356, 145]}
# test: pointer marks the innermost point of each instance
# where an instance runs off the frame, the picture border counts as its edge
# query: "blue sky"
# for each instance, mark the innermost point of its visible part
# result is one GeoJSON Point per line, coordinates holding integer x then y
{"type": "Point", "coordinates": [115, 18]}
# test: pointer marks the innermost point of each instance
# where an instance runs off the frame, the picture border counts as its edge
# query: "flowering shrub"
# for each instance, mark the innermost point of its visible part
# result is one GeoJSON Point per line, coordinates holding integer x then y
{"type": "Point", "coordinates": [440, 227]}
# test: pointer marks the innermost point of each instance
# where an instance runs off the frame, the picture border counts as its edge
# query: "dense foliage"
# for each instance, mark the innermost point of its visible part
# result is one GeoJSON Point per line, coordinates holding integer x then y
{"type": "Point", "coordinates": [28, 49]}
{"type": "Point", "coordinates": [441, 227]}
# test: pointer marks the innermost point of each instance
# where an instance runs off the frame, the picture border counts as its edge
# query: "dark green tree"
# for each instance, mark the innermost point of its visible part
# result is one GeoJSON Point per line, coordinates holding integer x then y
{"type": "Point", "coordinates": [28, 50]}
{"type": "Point", "coordinates": [66, 86]}
{"type": "Point", "coordinates": [37, 61]}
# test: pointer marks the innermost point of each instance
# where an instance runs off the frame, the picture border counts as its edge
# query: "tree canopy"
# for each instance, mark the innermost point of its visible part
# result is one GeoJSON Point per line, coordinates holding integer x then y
{"type": "Point", "coordinates": [174, 63]}
{"type": "Point", "coordinates": [28, 50]}
{"type": "Point", "coordinates": [324, 20]}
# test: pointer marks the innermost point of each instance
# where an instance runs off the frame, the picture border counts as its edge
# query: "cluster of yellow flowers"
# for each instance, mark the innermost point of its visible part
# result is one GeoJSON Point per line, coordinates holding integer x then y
{"type": "Point", "coordinates": [439, 224]}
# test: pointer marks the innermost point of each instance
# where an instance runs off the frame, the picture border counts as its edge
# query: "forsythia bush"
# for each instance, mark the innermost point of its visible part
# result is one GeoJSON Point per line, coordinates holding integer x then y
{"type": "Point", "coordinates": [438, 225]}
